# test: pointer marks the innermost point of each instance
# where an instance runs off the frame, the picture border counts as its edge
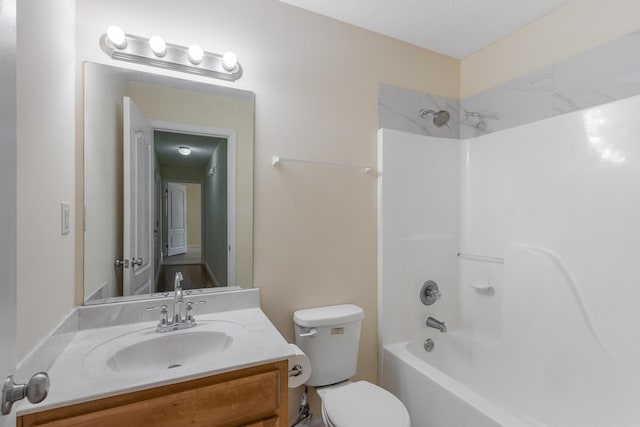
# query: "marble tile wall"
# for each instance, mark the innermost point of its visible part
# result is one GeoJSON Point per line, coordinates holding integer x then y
{"type": "Point", "coordinates": [399, 109]}
{"type": "Point", "coordinates": [598, 76]}
{"type": "Point", "coordinates": [525, 100]}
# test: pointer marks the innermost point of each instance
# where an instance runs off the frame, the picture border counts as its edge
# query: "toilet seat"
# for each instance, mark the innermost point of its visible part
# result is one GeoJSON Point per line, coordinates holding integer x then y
{"type": "Point", "coordinates": [362, 404]}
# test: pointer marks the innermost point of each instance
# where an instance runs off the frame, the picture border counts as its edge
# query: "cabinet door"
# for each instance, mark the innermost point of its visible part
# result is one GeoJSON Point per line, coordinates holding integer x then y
{"type": "Point", "coordinates": [253, 397]}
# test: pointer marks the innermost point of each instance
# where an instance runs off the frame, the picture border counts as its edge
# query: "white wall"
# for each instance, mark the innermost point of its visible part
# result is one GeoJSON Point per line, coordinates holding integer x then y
{"type": "Point", "coordinates": [46, 164]}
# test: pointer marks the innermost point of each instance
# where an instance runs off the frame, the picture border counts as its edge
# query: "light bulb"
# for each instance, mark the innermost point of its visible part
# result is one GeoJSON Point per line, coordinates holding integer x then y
{"type": "Point", "coordinates": [116, 36]}
{"type": "Point", "coordinates": [195, 54]}
{"type": "Point", "coordinates": [229, 61]}
{"type": "Point", "coordinates": [157, 45]}
{"type": "Point", "coordinates": [185, 151]}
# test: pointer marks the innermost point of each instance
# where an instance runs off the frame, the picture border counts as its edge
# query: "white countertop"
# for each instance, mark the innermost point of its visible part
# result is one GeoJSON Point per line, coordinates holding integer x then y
{"type": "Point", "coordinates": [75, 378]}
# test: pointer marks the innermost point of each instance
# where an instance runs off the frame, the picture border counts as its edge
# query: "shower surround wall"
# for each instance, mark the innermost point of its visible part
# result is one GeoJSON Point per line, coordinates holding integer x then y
{"type": "Point", "coordinates": [554, 194]}
{"type": "Point", "coordinates": [418, 208]}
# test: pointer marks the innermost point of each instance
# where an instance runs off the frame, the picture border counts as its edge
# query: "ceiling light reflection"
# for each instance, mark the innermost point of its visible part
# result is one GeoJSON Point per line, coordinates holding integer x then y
{"type": "Point", "coordinates": [596, 126]}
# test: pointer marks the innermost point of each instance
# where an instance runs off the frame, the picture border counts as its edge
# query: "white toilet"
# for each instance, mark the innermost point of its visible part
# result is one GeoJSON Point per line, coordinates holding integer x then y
{"type": "Point", "coordinates": [329, 336]}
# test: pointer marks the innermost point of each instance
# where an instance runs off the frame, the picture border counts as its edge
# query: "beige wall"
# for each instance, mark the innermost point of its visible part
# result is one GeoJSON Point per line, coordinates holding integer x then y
{"type": "Point", "coordinates": [194, 219]}
{"type": "Point", "coordinates": [574, 28]}
{"type": "Point", "coordinates": [46, 136]}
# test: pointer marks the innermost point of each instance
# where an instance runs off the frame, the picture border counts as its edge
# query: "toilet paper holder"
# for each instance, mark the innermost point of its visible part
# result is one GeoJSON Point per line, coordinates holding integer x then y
{"type": "Point", "coordinates": [299, 367]}
{"type": "Point", "coordinates": [295, 371]}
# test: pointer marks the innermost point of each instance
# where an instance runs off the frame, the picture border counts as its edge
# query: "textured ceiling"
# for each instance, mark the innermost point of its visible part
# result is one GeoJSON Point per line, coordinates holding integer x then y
{"type": "Point", "coordinates": [455, 28]}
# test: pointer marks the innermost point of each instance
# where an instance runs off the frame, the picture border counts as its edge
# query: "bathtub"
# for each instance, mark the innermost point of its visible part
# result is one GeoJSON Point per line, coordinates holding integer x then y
{"type": "Point", "coordinates": [437, 386]}
{"type": "Point", "coordinates": [464, 382]}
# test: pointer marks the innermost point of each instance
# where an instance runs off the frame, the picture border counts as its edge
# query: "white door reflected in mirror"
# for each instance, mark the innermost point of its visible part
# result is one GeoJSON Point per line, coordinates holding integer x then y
{"type": "Point", "coordinates": [177, 218]}
{"type": "Point", "coordinates": [138, 199]}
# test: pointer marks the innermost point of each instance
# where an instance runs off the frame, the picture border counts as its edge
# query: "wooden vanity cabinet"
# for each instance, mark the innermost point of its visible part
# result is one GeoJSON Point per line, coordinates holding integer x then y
{"type": "Point", "coordinates": [251, 397]}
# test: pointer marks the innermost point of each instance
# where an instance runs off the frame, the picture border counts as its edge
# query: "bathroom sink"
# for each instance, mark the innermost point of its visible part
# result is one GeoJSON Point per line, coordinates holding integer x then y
{"type": "Point", "coordinates": [169, 351]}
{"type": "Point", "coordinates": [145, 351]}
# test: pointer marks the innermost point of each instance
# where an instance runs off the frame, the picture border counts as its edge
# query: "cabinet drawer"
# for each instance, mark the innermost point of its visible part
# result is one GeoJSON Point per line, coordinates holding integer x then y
{"type": "Point", "coordinates": [253, 397]}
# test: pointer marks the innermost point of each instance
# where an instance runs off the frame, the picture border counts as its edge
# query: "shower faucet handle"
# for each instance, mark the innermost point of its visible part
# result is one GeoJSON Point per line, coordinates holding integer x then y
{"type": "Point", "coordinates": [429, 292]}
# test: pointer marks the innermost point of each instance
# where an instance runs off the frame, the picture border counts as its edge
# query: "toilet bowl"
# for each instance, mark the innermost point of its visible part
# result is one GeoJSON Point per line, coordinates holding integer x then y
{"type": "Point", "coordinates": [362, 404]}
{"type": "Point", "coordinates": [330, 336]}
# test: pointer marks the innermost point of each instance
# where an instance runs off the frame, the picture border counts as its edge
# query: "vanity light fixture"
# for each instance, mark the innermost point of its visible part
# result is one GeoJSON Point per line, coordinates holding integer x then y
{"type": "Point", "coordinates": [158, 46]}
{"type": "Point", "coordinates": [184, 150]}
{"type": "Point", "coordinates": [156, 52]}
{"type": "Point", "coordinates": [196, 54]}
{"type": "Point", "coordinates": [116, 36]}
{"type": "Point", "coordinates": [229, 61]}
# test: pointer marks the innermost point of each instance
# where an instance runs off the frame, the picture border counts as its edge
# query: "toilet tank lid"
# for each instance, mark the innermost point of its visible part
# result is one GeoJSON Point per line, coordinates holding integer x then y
{"type": "Point", "coordinates": [327, 316]}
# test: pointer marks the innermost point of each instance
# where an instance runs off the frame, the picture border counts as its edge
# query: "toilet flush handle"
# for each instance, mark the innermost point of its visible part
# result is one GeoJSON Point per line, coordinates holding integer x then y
{"type": "Point", "coordinates": [312, 332]}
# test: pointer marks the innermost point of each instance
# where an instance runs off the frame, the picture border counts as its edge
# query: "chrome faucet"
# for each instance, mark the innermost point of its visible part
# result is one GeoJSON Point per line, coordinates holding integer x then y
{"type": "Point", "coordinates": [177, 321]}
{"type": "Point", "coordinates": [178, 299]}
{"type": "Point", "coordinates": [436, 324]}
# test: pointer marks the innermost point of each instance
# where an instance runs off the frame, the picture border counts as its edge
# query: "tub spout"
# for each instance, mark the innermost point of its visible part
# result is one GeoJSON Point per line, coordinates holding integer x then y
{"type": "Point", "coordinates": [436, 324]}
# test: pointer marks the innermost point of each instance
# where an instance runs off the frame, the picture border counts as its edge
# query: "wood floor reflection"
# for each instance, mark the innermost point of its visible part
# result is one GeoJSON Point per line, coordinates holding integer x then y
{"type": "Point", "coordinates": [195, 277]}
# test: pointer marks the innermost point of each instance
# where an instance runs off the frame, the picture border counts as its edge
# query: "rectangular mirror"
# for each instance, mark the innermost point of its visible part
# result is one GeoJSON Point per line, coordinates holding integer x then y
{"type": "Point", "coordinates": [168, 185]}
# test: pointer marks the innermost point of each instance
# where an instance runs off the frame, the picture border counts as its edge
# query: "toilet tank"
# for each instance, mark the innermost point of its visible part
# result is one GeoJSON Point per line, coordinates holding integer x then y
{"type": "Point", "coordinates": [329, 336]}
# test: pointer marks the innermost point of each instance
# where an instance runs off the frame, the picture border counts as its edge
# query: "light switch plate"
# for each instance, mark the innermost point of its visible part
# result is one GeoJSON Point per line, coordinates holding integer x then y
{"type": "Point", "coordinates": [65, 209]}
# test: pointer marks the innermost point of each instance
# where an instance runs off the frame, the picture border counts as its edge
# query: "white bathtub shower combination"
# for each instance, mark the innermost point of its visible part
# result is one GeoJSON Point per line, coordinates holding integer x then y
{"type": "Point", "coordinates": [553, 343]}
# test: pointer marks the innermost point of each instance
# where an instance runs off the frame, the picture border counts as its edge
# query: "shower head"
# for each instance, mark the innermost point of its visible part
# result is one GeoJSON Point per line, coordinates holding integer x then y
{"type": "Point", "coordinates": [440, 118]}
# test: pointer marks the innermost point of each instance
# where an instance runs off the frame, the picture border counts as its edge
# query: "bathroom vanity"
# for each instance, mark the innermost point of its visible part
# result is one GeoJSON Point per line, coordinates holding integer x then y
{"type": "Point", "coordinates": [255, 397]}
{"type": "Point", "coordinates": [115, 369]}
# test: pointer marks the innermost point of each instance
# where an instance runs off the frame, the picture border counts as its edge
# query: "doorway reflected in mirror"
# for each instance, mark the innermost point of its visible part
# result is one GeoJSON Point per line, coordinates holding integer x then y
{"type": "Point", "coordinates": [193, 136]}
